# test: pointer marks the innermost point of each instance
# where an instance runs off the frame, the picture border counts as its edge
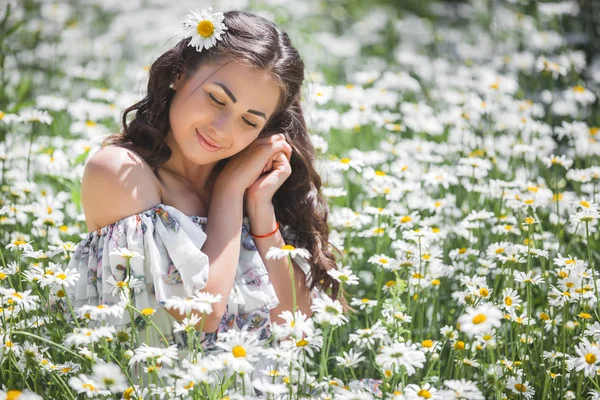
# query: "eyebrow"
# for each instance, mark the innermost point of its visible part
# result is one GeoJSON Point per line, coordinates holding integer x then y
{"type": "Point", "coordinates": [232, 97]}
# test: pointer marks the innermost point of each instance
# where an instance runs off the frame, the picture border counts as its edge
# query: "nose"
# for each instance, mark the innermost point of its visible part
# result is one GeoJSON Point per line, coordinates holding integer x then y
{"type": "Point", "coordinates": [221, 125]}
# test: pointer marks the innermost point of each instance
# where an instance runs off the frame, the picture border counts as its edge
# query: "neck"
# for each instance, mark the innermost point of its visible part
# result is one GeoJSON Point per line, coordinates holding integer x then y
{"type": "Point", "coordinates": [201, 177]}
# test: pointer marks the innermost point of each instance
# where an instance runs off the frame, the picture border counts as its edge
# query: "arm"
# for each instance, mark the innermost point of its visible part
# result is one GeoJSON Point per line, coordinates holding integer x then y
{"type": "Point", "coordinates": [262, 220]}
{"type": "Point", "coordinates": [222, 246]}
{"type": "Point", "coordinates": [117, 183]}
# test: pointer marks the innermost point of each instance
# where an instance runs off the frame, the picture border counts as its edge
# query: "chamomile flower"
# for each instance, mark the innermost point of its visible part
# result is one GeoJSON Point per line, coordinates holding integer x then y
{"type": "Point", "coordinates": [102, 311]}
{"type": "Point", "coordinates": [363, 303]}
{"type": "Point", "coordinates": [85, 336]}
{"type": "Point", "coordinates": [284, 251]}
{"type": "Point", "coordinates": [510, 299]}
{"type": "Point", "coordinates": [159, 355]}
{"type": "Point", "coordinates": [480, 320]}
{"type": "Point", "coordinates": [110, 377]}
{"type": "Point", "coordinates": [588, 358]}
{"type": "Point", "coordinates": [350, 360]}
{"type": "Point", "coordinates": [463, 389]}
{"type": "Point", "coordinates": [398, 355]}
{"type": "Point", "coordinates": [87, 385]}
{"type": "Point", "coordinates": [125, 253]}
{"type": "Point", "coordinates": [529, 277]}
{"type": "Point", "coordinates": [241, 350]}
{"type": "Point", "coordinates": [328, 311]}
{"type": "Point", "coordinates": [344, 275]}
{"type": "Point", "coordinates": [583, 216]}
{"type": "Point", "coordinates": [562, 161]}
{"type": "Point", "coordinates": [296, 325]}
{"type": "Point", "coordinates": [187, 324]}
{"type": "Point", "coordinates": [520, 387]}
{"type": "Point", "coordinates": [204, 28]}
{"type": "Point", "coordinates": [368, 336]}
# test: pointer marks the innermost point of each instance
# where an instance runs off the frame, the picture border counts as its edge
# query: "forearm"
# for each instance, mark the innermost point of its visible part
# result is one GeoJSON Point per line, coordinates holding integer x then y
{"type": "Point", "coordinates": [222, 246]}
{"type": "Point", "coordinates": [262, 221]}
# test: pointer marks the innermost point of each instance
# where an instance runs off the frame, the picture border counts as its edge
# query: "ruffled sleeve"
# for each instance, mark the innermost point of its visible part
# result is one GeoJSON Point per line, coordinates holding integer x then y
{"type": "Point", "coordinates": [173, 263]}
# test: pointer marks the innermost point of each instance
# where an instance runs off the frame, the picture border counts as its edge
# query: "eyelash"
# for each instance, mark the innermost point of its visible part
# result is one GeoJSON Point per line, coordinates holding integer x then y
{"type": "Point", "coordinates": [222, 104]}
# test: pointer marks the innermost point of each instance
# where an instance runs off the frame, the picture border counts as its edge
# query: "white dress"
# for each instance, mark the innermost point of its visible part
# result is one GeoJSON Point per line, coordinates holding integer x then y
{"type": "Point", "coordinates": [173, 265]}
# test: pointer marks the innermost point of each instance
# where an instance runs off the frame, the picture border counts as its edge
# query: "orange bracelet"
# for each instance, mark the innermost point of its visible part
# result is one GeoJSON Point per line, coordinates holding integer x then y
{"type": "Point", "coordinates": [270, 234]}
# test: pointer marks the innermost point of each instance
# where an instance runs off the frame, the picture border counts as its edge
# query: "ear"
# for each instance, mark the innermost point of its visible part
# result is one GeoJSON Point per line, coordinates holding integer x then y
{"type": "Point", "coordinates": [177, 82]}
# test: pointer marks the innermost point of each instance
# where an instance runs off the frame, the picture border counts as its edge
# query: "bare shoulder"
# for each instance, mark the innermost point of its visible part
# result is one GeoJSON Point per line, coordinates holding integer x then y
{"type": "Point", "coordinates": [116, 183]}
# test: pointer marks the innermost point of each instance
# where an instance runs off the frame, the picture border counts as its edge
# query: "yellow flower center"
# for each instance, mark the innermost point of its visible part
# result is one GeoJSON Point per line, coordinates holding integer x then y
{"type": "Point", "coordinates": [128, 393]}
{"type": "Point", "coordinates": [13, 394]}
{"type": "Point", "coordinates": [427, 343]}
{"type": "Point", "coordinates": [62, 277]}
{"type": "Point", "coordinates": [383, 261]}
{"type": "Point", "coordinates": [584, 204]}
{"type": "Point", "coordinates": [148, 311]}
{"type": "Point", "coordinates": [238, 351]}
{"type": "Point", "coordinates": [579, 89]}
{"type": "Point", "coordinates": [365, 300]}
{"type": "Point", "coordinates": [479, 318]}
{"type": "Point", "coordinates": [519, 387]}
{"type": "Point", "coordinates": [345, 160]}
{"type": "Point", "coordinates": [424, 394]}
{"type": "Point", "coordinates": [590, 358]}
{"type": "Point", "coordinates": [508, 301]}
{"type": "Point", "coordinates": [301, 343]}
{"type": "Point", "coordinates": [483, 292]}
{"type": "Point", "coordinates": [205, 28]}
{"type": "Point", "coordinates": [89, 386]}
{"type": "Point", "coordinates": [435, 282]}
{"type": "Point", "coordinates": [288, 247]}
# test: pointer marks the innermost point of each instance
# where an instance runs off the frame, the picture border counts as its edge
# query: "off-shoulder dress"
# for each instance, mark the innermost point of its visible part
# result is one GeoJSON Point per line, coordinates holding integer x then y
{"type": "Point", "coordinates": [173, 264]}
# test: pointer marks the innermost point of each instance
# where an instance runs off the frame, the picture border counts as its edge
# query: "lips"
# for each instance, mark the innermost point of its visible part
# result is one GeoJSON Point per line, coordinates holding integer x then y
{"type": "Point", "coordinates": [208, 144]}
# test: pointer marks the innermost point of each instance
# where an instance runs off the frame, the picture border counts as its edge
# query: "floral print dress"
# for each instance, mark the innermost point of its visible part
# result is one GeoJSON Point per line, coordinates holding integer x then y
{"type": "Point", "coordinates": [173, 265]}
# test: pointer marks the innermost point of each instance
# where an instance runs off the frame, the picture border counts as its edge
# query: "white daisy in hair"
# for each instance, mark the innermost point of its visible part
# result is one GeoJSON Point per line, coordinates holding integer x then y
{"type": "Point", "coordinates": [204, 27]}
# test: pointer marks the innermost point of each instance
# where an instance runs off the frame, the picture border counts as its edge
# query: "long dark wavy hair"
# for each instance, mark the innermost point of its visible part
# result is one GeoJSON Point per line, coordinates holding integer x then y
{"type": "Point", "coordinates": [255, 42]}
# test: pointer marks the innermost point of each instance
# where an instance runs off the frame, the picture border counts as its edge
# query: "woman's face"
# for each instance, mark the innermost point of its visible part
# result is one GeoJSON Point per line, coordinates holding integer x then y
{"type": "Point", "coordinates": [226, 105]}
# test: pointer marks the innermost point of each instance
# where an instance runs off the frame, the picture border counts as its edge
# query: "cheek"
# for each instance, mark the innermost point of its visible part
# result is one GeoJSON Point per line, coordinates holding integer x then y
{"type": "Point", "coordinates": [186, 110]}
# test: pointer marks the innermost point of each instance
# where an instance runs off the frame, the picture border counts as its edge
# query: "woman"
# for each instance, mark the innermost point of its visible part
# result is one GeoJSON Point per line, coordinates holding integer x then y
{"type": "Point", "coordinates": [215, 168]}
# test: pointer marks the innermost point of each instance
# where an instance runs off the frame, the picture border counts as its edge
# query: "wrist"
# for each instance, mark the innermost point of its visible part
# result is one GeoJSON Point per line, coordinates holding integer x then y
{"type": "Point", "coordinates": [262, 220]}
{"type": "Point", "coordinates": [259, 207]}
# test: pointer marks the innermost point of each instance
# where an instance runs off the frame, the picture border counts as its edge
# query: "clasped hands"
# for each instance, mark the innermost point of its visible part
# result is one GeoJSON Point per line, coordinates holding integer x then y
{"type": "Point", "coordinates": [260, 169]}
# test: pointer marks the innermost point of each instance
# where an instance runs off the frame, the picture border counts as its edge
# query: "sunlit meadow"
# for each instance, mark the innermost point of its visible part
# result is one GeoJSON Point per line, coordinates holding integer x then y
{"type": "Point", "coordinates": [459, 146]}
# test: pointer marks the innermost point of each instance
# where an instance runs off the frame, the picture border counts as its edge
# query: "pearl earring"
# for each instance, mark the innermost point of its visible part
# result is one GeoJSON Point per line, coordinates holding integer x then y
{"type": "Point", "coordinates": [171, 85]}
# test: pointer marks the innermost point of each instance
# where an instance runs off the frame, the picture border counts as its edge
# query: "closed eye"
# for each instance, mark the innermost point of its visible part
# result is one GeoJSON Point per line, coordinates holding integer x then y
{"type": "Point", "coordinates": [215, 100]}
{"type": "Point", "coordinates": [222, 104]}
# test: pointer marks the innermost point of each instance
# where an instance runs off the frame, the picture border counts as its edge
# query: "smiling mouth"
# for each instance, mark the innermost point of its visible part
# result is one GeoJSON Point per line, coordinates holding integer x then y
{"type": "Point", "coordinates": [204, 141]}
